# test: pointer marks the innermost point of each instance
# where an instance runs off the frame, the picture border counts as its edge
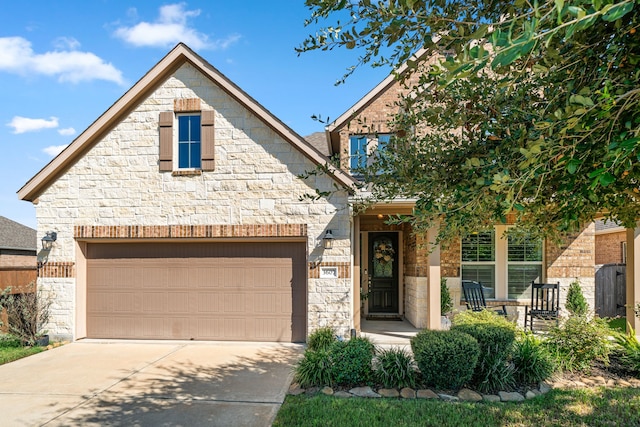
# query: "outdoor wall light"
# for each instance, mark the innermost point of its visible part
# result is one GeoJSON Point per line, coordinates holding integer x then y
{"type": "Point", "coordinates": [48, 239]}
{"type": "Point", "coordinates": [327, 240]}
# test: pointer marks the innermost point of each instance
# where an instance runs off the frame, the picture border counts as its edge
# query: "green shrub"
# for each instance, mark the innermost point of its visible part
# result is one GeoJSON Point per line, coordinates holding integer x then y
{"type": "Point", "coordinates": [446, 359]}
{"type": "Point", "coordinates": [321, 339]}
{"type": "Point", "coordinates": [314, 369]}
{"type": "Point", "coordinates": [493, 370]}
{"type": "Point", "coordinates": [576, 302]}
{"type": "Point", "coordinates": [579, 341]}
{"type": "Point", "coordinates": [394, 367]}
{"type": "Point", "coordinates": [484, 316]}
{"type": "Point", "coordinates": [28, 313]}
{"type": "Point", "coordinates": [352, 362]}
{"type": "Point", "coordinates": [630, 349]}
{"type": "Point", "coordinates": [9, 341]}
{"type": "Point", "coordinates": [532, 361]}
{"type": "Point", "coordinates": [446, 302]}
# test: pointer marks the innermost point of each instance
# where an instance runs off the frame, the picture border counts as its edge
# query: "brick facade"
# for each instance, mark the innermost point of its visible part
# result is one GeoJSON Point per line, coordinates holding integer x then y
{"type": "Point", "coordinates": [609, 247]}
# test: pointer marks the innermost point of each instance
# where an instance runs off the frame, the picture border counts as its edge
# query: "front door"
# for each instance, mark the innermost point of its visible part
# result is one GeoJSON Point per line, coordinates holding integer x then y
{"type": "Point", "coordinates": [383, 272]}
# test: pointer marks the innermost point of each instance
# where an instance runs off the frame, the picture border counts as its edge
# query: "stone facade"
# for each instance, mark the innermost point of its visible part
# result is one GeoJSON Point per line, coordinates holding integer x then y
{"type": "Point", "coordinates": [117, 182]}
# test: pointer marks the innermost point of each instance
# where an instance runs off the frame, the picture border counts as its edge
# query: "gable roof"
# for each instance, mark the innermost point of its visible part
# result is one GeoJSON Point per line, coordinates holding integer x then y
{"type": "Point", "coordinates": [319, 141]}
{"type": "Point", "coordinates": [14, 235]}
{"type": "Point", "coordinates": [332, 130]}
{"type": "Point", "coordinates": [178, 56]}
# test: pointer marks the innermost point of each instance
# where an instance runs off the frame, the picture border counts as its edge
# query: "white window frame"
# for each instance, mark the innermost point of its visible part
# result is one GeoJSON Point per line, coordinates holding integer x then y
{"type": "Point", "coordinates": [501, 264]}
{"type": "Point", "coordinates": [176, 142]}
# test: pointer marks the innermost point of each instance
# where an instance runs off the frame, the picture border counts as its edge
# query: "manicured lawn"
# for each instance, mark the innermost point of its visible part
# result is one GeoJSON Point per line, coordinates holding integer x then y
{"type": "Point", "coordinates": [10, 350]}
{"type": "Point", "coordinates": [592, 407]}
{"type": "Point", "coordinates": [618, 323]}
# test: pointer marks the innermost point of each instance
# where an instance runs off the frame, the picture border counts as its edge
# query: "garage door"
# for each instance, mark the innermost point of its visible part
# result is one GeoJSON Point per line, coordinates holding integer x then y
{"type": "Point", "coordinates": [200, 291]}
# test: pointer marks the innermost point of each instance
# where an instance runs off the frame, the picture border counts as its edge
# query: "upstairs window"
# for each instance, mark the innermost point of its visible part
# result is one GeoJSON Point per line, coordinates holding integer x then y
{"type": "Point", "coordinates": [362, 150]}
{"type": "Point", "coordinates": [189, 141]}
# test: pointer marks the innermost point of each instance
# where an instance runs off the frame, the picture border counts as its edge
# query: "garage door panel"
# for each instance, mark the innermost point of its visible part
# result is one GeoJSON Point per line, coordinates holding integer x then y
{"type": "Point", "coordinates": [206, 291]}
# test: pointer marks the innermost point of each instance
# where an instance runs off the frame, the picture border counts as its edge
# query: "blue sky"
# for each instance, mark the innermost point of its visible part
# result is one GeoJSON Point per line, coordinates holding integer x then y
{"type": "Point", "coordinates": [63, 63]}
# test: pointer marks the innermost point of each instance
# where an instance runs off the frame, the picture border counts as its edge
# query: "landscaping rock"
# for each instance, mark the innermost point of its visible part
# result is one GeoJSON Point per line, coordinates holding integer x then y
{"type": "Point", "coordinates": [448, 398]}
{"type": "Point", "coordinates": [469, 395]}
{"type": "Point", "coordinates": [426, 394]}
{"type": "Point", "coordinates": [295, 389]}
{"type": "Point", "coordinates": [388, 392]}
{"type": "Point", "coordinates": [510, 396]}
{"type": "Point", "coordinates": [600, 380]}
{"type": "Point", "coordinates": [491, 398]}
{"type": "Point", "coordinates": [545, 388]}
{"type": "Point", "coordinates": [363, 392]}
{"type": "Point", "coordinates": [408, 393]}
{"type": "Point", "coordinates": [312, 390]}
{"type": "Point", "coordinates": [327, 391]}
{"type": "Point", "coordinates": [530, 394]}
{"type": "Point", "coordinates": [342, 394]}
{"type": "Point", "coordinates": [635, 382]}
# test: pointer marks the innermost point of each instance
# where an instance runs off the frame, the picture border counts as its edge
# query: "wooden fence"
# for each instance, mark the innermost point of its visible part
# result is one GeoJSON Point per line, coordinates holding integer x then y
{"type": "Point", "coordinates": [18, 279]}
{"type": "Point", "coordinates": [611, 290]}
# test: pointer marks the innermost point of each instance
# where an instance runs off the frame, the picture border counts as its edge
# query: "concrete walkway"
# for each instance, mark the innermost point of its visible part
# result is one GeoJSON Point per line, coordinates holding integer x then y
{"type": "Point", "coordinates": [387, 333]}
{"type": "Point", "coordinates": [121, 383]}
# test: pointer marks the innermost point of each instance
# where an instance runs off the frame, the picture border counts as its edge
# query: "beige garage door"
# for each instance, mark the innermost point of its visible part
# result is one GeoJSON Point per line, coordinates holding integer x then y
{"type": "Point", "coordinates": [200, 291]}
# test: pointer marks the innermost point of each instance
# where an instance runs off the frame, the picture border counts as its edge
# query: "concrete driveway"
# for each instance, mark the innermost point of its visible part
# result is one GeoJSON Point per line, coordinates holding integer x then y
{"type": "Point", "coordinates": [148, 384]}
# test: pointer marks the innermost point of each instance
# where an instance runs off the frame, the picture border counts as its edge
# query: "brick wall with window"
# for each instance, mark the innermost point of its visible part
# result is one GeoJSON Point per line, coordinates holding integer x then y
{"type": "Point", "coordinates": [609, 247]}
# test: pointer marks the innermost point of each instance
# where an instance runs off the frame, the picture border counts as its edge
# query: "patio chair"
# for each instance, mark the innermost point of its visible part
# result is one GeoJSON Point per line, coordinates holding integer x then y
{"type": "Point", "coordinates": [474, 298]}
{"type": "Point", "coordinates": [545, 303]}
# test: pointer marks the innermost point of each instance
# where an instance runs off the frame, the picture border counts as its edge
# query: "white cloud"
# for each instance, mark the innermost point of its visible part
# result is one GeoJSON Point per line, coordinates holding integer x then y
{"type": "Point", "coordinates": [25, 124]}
{"type": "Point", "coordinates": [17, 56]}
{"type": "Point", "coordinates": [67, 131]}
{"type": "Point", "coordinates": [54, 150]}
{"type": "Point", "coordinates": [171, 28]}
{"type": "Point", "coordinates": [66, 43]}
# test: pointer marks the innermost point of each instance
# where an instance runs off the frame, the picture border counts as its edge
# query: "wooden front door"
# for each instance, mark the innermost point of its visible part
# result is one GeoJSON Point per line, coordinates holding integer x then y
{"type": "Point", "coordinates": [383, 272]}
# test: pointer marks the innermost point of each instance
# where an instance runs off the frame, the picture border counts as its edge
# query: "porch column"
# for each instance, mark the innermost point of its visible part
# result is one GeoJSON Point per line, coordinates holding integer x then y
{"type": "Point", "coordinates": [433, 282]}
{"type": "Point", "coordinates": [633, 276]}
{"type": "Point", "coordinates": [355, 244]}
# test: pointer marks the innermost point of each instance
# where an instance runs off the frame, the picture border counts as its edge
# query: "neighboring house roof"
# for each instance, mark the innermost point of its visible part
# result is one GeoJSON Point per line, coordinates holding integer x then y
{"type": "Point", "coordinates": [319, 142]}
{"type": "Point", "coordinates": [14, 235]}
{"type": "Point", "coordinates": [178, 56]}
{"type": "Point", "coordinates": [603, 226]}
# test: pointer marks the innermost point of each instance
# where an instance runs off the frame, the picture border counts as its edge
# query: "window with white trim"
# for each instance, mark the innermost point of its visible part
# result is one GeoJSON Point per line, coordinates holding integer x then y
{"type": "Point", "coordinates": [362, 149]}
{"type": "Point", "coordinates": [189, 147]}
{"type": "Point", "coordinates": [505, 266]}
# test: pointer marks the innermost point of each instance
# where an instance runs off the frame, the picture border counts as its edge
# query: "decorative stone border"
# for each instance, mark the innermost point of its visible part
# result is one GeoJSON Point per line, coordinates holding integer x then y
{"type": "Point", "coordinates": [465, 394]}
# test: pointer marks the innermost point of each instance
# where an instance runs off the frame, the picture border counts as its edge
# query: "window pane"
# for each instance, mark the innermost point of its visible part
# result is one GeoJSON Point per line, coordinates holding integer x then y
{"type": "Point", "coordinates": [524, 249]}
{"type": "Point", "coordinates": [479, 247]}
{"type": "Point", "coordinates": [383, 140]}
{"type": "Point", "coordinates": [195, 155]}
{"type": "Point", "coordinates": [183, 128]}
{"type": "Point", "coordinates": [358, 151]}
{"type": "Point", "coordinates": [520, 277]}
{"type": "Point", "coordinates": [183, 155]}
{"type": "Point", "coordinates": [194, 128]}
{"type": "Point", "coordinates": [484, 274]}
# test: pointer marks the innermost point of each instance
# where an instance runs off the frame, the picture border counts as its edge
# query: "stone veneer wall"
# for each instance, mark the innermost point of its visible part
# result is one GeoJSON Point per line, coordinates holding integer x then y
{"type": "Point", "coordinates": [117, 183]}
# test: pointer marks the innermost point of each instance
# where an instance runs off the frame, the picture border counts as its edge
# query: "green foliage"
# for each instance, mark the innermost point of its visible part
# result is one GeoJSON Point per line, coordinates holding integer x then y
{"type": "Point", "coordinates": [469, 317]}
{"type": "Point", "coordinates": [446, 359]}
{"type": "Point", "coordinates": [321, 339]}
{"type": "Point", "coordinates": [352, 362]}
{"type": "Point", "coordinates": [534, 110]}
{"type": "Point", "coordinates": [314, 369]}
{"type": "Point", "coordinates": [9, 341]}
{"type": "Point", "coordinates": [394, 367]}
{"type": "Point", "coordinates": [532, 361]}
{"type": "Point", "coordinates": [576, 302]}
{"type": "Point", "coordinates": [493, 371]}
{"type": "Point", "coordinates": [579, 341]}
{"type": "Point", "coordinates": [27, 313]}
{"type": "Point", "coordinates": [630, 347]}
{"type": "Point", "coordinates": [446, 302]}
